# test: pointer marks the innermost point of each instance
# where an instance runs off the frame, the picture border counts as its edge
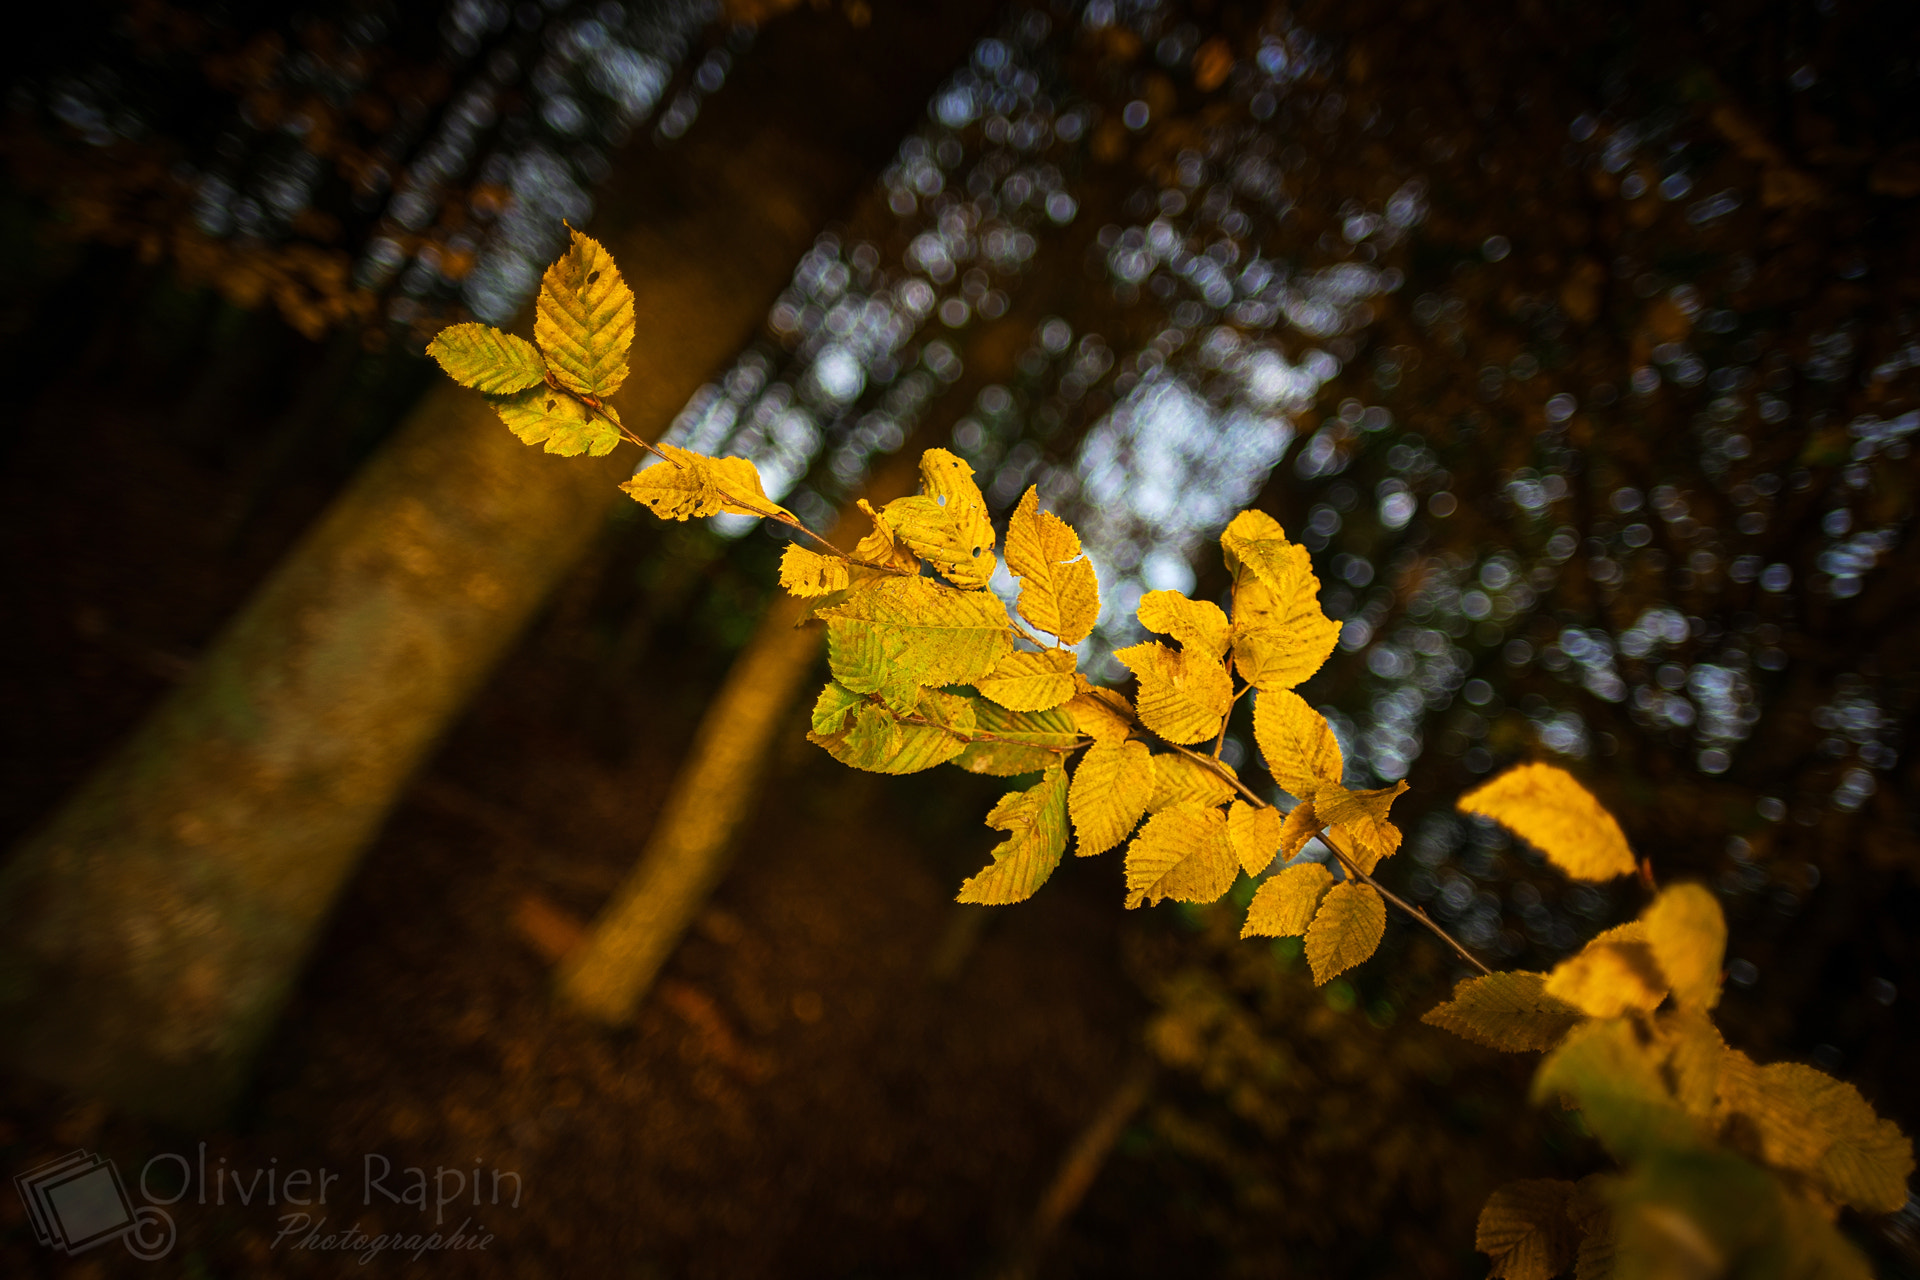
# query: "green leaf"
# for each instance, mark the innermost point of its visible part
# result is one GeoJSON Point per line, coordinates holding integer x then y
{"type": "Point", "coordinates": [831, 707]}
{"type": "Point", "coordinates": [1035, 821]}
{"type": "Point", "coordinates": [1283, 906]}
{"type": "Point", "coordinates": [1182, 853]}
{"type": "Point", "coordinates": [543, 415]}
{"type": "Point", "coordinates": [584, 322]}
{"type": "Point", "coordinates": [1507, 1011]}
{"type": "Point", "coordinates": [486, 359]}
{"type": "Point", "coordinates": [1346, 929]}
{"type": "Point", "coordinates": [1111, 785]}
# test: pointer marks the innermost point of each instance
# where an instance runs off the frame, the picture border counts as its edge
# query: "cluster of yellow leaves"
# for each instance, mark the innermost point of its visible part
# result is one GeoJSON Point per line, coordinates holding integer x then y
{"type": "Point", "coordinates": [1727, 1163]}
{"type": "Point", "coordinates": [552, 394]}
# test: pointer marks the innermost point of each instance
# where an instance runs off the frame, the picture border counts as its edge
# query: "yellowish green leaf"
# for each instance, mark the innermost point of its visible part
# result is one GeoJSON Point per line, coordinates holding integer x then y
{"type": "Point", "coordinates": [1178, 779]}
{"type": "Point", "coordinates": [1544, 806]}
{"type": "Point", "coordinates": [1302, 825]}
{"type": "Point", "coordinates": [1198, 625]}
{"type": "Point", "coordinates": [1059, 593]}
{"type": "Point", "coordinates": [1526, 1230]}
{"type": "Point", "coordinates": [1183, 695]}
{"type": "Point", "coordinates": [543, 415]}
{"type": "Point", "coordinates": [486, 359]}
{"type": "Point", "coordinates": [1109, 794]}
{"type": "Point", "coordinates": [1009, 742]}
{"type": "Point", "coordinates": [1509, 1011]}
{"type": "Point", "coordinates": [1035, 821]}
{"type": "Point", "coordinates": [879, 742]}
{"type": "Point", "coordinates": [1182, 853]}
{"type": "Point", "coordinates": [1255, 834]}
{"type": "Point", "coordinates": [1284, 904]}
{"type": "Point", "coordinates": [831, 707]}
{"type": "Point", "coordinates": [1608, 978]}
{"type": "Point", "coordinates": [1614, 1078]}
{"type": "Point", "coordinates": [1301, 751]}
{"type": "Point", "coordinates": [896, 635]}
{"type": "Point", "coordinates": [1030, 681]}
{"type": "Point", "coordinates": [808, 573]}
{"type": "Point", "coordinates": [1688, 935]}
{"type": "Point", "coordinates": [947, 523]}
{"type": "Point", "coordinates": [1346, 929]}
{"type": "Point", "coordinates": [584, 322]}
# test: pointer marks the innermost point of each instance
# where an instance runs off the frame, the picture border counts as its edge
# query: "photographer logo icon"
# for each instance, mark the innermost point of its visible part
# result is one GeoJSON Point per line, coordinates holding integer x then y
{"type": "Point", "coordinates": [78, 1201]}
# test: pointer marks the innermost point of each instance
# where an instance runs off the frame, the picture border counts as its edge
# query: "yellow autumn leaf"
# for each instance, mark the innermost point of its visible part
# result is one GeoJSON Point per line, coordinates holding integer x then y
{"type": "Point", "coordinates": [1284, 904]}
{"type": "Point", "coordinates": [1181, 853]}
{"type": "Point", "coordinates": [1009, 742]}
{"type": "Point", "coordinates": [1346, 929]}
{"type": "Point", "coordinates": [541, 415]}
{"type": "Point", "coordinates": [1300, 749]}
{"type": "Point", "coordinates": [1509, 1011]}
{"type": "Point", "coordinates": [1688, 935]}
{"type": "Point", "coordinates": [1254, 834]}
{"type": "Point", "coordinates": [1184, 695]}
{"type": "Point", "coordinates": [808, 573]}
{"type": "Point", "coordinates": [1109, 794]}
{"type": "Point", "coordinates": [1198, 625]}
{"type": "Point", "coordinates": [1100, 713]}
{"type": "Point", "coordinates": [947, 522]}
{"type": "Point", "coordinates": [880, 548]}
{"type": "Point", "coordinates": [486, 359]}
{"type": "Point", "coordinates": [1178, 778]}
{"type": "Point", "coordinates": [1692, 1052]}
{"type": "Point", "coordinates": [1794, 1117]}
{"type": "Point", "coordinates": [1279, 635]}
{"type": "Point", "coordinates": [1615, 1080]}
{"type": "Point", "coordinates": [1526, 1230]}
{"type": "Point", "coordinates": [898, 634]}
{"type": "Point", "coordinates": [1544, 806]}
{"type": "Point", "coordinates": [1035, 821]}
{"type": "Point", "coordinates": [683, 485]}
{"type": "Point", "coordinates": [1302, 825]}
{"type": "Point", "coordinates": [1059, 593]}
{"type": "Point", "coordinates": [584, 319]}
{"type": "Point", "coordinates": [1359, 820]}
{"type": "Point", "coordinates": [1030, 681]}
{"type": "Point", "coordinates": [1609, 977]}
{"type": "Point", "coordinates": [1255, 547]}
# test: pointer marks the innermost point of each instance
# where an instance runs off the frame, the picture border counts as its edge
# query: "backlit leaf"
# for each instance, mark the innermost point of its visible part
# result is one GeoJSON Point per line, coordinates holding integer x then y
{"type": "Point", "coordinates": [1302, 825]}
{"type": "Point", "coordinates": [1058, 591]}
{"type": "Point", "coordinates": [1346, 929]}
{"type": "Point", "coordinates": [1035, 821]}
{"type": "Point", "coordinates": [1284, 904]}
{"type": "Point", "coordinates": [1255, 835]}
{"type": "Point", "coordinates": [808, 573]}
{"type": "Point", "coordinates": [1525, 1229]}
{"type": "Point", "coordinates": [880, 548]}
{"type": "Point", "coordinates": [1198, 625]}
{"type": "Point", "coordinates": [1030, 681]}
{"type": "Point", "coordinates": [584, 322]}
{"type": "Point", "coordinates": [1300, 750]}
{"type": "Point", "coordinates": [1511, 1012]}
{"type": "Point", "coordinates": [542, 415]}
{"type": "Point", "coordinates": [1360, 817]}
{"type": "Point", "coordinates": [1100, 713]}
{"type": "Point", "coordinates": [1183, 694]}
{"type": "Point", "coordinates": [1795, 1117]}
{"type": "Point", "coordinates": [1280, 636]}
{"type": "Point", "coordinates": [1608, 978]}
{"type": "Point", "coordinates": [876, 740]}
{"type": "Point", "coordinates": [486, 359]}
{"type": "Point", "coordinates": [1182, 853]}
{"type": "Point", "coordinates": [1109, 794]}
{"type": "Point", "coordinates": [831, 707]}
{"type": "Point", "coordinates": [684, 485]}
{"type": "Point", "coordinates": [947, 523]}
{"type": "Point", "coordinates": [1544, 806]}
{"type": "Point", "coordinates": [1178, 778]}
{"type": "Point", "coordinates": [1688, 935]}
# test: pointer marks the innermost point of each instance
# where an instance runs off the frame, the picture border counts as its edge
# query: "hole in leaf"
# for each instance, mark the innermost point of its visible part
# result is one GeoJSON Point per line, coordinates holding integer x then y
{"type": "Point", "coordinates": [592, 276]}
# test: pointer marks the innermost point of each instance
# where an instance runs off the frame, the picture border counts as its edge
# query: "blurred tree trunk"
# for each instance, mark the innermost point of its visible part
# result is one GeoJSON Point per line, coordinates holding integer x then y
{"type": "Point", "coordinates": [150, 931]}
